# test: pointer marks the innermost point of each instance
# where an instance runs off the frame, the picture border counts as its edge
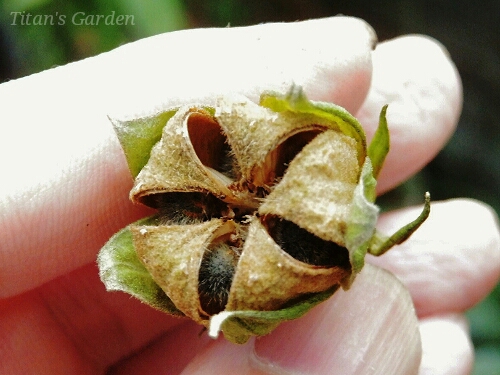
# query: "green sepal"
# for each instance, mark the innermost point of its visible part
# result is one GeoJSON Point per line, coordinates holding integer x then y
{"type": "Point", "coordinates": [379, 146]}
{"type": "Point", "coordinates": [337, 117]}
{"type": "Point", "coordinates": [380, 244]}
{"type": "Point", "coordinates": [362, 221]}
{"type": "Point", "coordinates": [121, 270]}
{"type": "Point", "coordinates": [138, 136]}
{"type": "Point", "coordinates": [239, 326]}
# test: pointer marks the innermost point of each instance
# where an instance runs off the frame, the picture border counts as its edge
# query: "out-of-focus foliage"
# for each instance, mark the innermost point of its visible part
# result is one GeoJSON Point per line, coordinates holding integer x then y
{"type": "Point", "coordinates": [39, 34]}
{"type": "Point", "coordinates": [469, 166]}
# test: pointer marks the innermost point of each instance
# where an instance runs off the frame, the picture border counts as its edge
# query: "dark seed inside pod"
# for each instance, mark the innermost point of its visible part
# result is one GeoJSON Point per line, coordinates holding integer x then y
{"type": "Point", "coordinates": [305, 246]}
{"type": "Point", "coordinates": [186, 208]}
{"type": "Point", "coordinates": [216, 275]}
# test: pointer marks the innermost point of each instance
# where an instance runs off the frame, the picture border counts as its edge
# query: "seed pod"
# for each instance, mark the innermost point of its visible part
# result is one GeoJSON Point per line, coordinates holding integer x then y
{"type": "Point", "coordinates": [263, 210]}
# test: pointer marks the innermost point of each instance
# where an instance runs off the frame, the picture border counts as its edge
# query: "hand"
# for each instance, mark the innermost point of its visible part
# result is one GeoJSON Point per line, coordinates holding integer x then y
{"type": "Point", "coordinates": [65, 186]}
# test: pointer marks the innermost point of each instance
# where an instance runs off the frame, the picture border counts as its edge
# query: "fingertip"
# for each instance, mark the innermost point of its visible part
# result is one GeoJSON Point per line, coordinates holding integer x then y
{"type": "Point", "coordinates": [342, 53]}
{"type": "Point", "coordinates": [447, 348]}
{"type": "Point", "coordinates": [415, 76]}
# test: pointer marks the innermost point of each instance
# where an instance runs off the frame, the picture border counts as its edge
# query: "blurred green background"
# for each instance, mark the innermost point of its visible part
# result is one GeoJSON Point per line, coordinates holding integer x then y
{"type": "Point", "coordinates": [469, 166]}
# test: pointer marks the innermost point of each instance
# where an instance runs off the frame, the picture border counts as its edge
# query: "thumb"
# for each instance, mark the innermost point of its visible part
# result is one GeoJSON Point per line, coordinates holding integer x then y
{"type": "Point", "coordinates": [371, 328]}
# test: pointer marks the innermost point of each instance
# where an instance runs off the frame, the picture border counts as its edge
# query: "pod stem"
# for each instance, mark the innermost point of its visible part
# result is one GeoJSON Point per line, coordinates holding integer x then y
{"type": "Point", "coordinates": [379, 245]}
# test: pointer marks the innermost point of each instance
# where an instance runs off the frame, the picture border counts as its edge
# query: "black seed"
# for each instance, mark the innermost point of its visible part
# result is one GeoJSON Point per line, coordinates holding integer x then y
{"type": "Point", "coordinates": [305, 246]}
{"type": "Point", "coordinates": [186, 208]}
{"type": "Point", "coordinates": [215, 277]}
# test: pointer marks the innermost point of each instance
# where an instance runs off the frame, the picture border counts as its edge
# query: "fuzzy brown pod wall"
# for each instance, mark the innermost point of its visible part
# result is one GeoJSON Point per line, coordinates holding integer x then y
{"type": "Point", "coordinates": [263, 211]}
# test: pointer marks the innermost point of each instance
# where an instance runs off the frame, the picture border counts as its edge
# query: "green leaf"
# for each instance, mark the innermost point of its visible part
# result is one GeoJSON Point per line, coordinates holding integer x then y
{"type": "Point", "coordinates": [337, 117]}
{"type": "Point", "coordinates": [121, 270]}
{"type": "Point", "coordinates": [239, 326]}
{"type": "Point", "coordinates": [362, 220]}
{"type": "Point", "coordinates": [379, 146]}
{"type": "Point", "coordinates": [379, 244]}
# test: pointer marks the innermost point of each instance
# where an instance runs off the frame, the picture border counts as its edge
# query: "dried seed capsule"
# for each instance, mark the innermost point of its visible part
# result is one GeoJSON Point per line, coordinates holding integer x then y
{"type": "Point", "coordinates": [263, 210]}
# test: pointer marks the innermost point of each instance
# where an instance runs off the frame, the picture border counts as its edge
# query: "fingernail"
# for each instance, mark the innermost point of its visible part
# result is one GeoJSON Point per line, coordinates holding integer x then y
{"type": "Point", "coordinates": [371, 328]}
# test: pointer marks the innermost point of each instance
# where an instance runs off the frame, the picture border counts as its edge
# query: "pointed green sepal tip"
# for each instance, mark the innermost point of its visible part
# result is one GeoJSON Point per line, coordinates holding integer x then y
{"type": "Point", "coordinates": [379, 146]}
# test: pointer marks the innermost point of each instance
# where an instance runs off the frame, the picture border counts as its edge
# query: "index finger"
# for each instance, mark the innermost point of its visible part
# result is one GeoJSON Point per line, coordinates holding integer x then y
{"type": "Point", "coordinates": [66, 182]}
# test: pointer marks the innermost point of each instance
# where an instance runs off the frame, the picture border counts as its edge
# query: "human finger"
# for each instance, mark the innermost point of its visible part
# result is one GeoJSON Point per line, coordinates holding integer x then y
{"type": "Point", "coordinates": [452, 261]}
{"type": "Point", "coordinates": [68, 192]}
{"type": "Point", "coordinates": [72, 325]}
{"type": "Point", "coordinates": [415, 76]}
{"type": "Point", "coordinates": [446, 345]}
{"type": "Point", "coordinates": [370, 328]}
{"type": "Point", "coordinates": [168, 355]}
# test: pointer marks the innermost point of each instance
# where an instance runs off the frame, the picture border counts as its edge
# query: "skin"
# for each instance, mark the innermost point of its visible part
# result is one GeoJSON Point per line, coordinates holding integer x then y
{"type": "Point", "coordinates": [65, 187]}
